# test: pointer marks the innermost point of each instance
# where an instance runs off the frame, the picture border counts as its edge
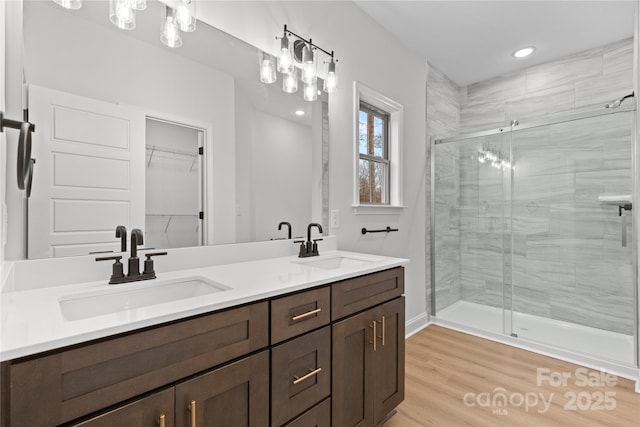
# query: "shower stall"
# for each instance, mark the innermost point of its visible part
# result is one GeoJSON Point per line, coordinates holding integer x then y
{"type": "Point", "coordinates": [532, 233]}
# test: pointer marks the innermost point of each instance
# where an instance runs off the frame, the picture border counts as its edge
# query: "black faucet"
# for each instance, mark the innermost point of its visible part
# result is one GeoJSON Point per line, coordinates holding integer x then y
{"type": "Point", "coordinates": [310, 247]}
{"type": "Point", "coordinates": [117, 274]}
{"type": "Point", "coordinates": [121, 232]}
{"type": "Point", "coordinates": [134, 262]}
{"type": "Point", "coordinates": [288, 225]}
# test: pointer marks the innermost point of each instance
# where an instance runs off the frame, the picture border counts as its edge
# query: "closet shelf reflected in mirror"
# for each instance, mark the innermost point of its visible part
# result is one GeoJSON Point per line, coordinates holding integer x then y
{"type": "Point", "coordinates": [170, 218]}
{"type": "Point", "coordinates": [154, 148]}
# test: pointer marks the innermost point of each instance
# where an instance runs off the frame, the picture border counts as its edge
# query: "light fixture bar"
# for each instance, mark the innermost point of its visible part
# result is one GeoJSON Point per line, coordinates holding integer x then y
{"type": "Point", "coordinates": [291, 33]}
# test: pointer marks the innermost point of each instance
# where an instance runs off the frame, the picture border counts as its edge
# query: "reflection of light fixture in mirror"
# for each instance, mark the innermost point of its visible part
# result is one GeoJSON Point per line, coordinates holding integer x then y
{"type": "Point", "coordinates": [302, 52]}
{"type": "Point", "coordinates": [122, 15]}
{"type": "Point", "coordinates": [299, 112]}
{"type": "Point", "coordinates": [186, 15]}
{"type": "Point", "coordinates": [290, 81]}
{"type": "Point", "coordinates": [331, 81]}
{"type": "Point", "coordinates": [69, 4]}
{"type": "Point", "coordinates": [311, 90]}
{"type": "Point", "coordinates": [138, 4]}
{"type": "Point", "coordinates": [308, 64]}
{"type": "Point", "coordinates": [170, 34]}
{"type": "Point", "coordinates": [267, 68]}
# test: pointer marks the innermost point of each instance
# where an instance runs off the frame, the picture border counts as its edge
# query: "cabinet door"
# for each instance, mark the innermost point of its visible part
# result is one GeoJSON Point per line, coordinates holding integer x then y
{"type": "Point", "coordinates": [388, 376]}
{"type": "Point", "coordinates": [352, 398]}
{"type": "Point", "coordinates": [300, 375]}
{"type": "Point", "coordinates": [234, 395]}
{"type": "Point", "coordinates": [152, 411]}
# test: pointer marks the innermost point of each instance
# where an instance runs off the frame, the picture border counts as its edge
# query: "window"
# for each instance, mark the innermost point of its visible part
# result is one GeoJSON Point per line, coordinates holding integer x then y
{"type": "Point", "coordinates": [377, 152]}
{"type": "Point", "coordinates": [373, 147]}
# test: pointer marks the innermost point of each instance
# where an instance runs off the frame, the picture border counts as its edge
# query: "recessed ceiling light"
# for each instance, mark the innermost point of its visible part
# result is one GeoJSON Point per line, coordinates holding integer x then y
{"type": "Point", "coordinates": [524, 52]}
{"type": "Point", "coordinates": [299, 113]}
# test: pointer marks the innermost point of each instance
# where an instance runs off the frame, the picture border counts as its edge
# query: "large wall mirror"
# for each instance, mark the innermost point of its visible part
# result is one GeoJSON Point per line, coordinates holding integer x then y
{"type": "Point", "coordinates": [186, 144]}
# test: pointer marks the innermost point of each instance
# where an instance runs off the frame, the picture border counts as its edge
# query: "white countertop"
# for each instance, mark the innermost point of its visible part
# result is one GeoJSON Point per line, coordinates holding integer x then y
{"type": "Point", "coordinates": [32, 320]}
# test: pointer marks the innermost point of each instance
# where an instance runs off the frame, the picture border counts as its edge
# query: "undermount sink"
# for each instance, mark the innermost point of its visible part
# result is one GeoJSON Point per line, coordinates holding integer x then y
{"type": "Point", "coordinates": [334, 262]}
{"type": "Point", "coordinates": [135, 295]}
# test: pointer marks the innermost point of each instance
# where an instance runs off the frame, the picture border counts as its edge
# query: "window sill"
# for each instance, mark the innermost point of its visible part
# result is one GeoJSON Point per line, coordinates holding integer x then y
{"type": "Point", "coordinates": [378, 209]}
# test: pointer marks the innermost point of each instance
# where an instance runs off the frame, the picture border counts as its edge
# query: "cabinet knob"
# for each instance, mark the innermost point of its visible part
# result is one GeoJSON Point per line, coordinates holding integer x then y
{"type": "Point", "coordinates": [382, 332]}
{"type": "Point", "coordinates": [192, 409]}
{"type": "Point", "coordinates": [311, 373]}
{"type": "Point", "coordinates": [307, 314]}
{"type": "Point", "coordinates": [374, 335]}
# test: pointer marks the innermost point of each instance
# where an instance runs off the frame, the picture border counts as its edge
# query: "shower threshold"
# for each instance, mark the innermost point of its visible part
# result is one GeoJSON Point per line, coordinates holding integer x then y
{"type": "Point", "coordinates": [611, 346]}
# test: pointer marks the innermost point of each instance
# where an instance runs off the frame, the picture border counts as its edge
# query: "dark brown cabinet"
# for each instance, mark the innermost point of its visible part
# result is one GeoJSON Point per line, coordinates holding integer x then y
{"type": "Point", "coordinates": [300, 374]}
{"type": "Point", "coordinates": [368, 365]}
{"type": "Point", "coordinates": [330, 355]}
{"type": "Point", "coordinates": [152, 411]}
{"type": "Point", "coordinates": [234, 395]}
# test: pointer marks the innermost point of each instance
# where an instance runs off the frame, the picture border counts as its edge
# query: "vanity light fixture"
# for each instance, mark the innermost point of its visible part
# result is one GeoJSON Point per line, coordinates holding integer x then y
{"type": "Point", "coordinates": [138, 4]}
{"type": "Point", "coordinates": [524, 52]}
{"type": "Point", "coordinates": [285, 61]}
{"type": "Point", "coordinates": [122, 14]}
{"type": "Point", "coordinates": [170, 34]}
{"type": "Point", "coordinates": [303, 52]}
{"type": "Point", "coordinates": [267, 68]}
{"type": "Point", "coordinates": [290, 81]}
{"type": "Point", "coordinates": [308, 64]}
{"type": "Point", "coordinates": [311, 90]}
{"type": "Point", "coordinates": [186, 15]}
{"type": "Point", "coordinates": [69, 4]}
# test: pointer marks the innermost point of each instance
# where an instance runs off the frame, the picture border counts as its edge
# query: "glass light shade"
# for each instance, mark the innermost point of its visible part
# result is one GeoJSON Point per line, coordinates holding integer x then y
{"type": "Point", "coordinates": [138, 4]}
{"type": "Point", "coordinates": [331, 81]}
{"type": "Point", "coordinates": [311, 91]}
{"type": "Point", "coordinates": [285, 61]}
{"type": "Point", "coordinates": [122, 15]}
{"type": "Point", "coordinates": [170, 33]}
{"type": "Point", "coordinates": [309, 70]}
{"type": "Point", "coordinates": [290, 81]}
{"type": "Point", "coordinates": [69, 4]}
{"type": "Point", "coordinates": [267, 68]}
{"type": "Point", "coordinates": [186, 15]}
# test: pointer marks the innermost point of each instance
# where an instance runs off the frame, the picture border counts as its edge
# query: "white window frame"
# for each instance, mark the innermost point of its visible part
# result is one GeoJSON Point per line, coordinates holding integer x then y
{"type": "Point", "coordinates": [395, 187]}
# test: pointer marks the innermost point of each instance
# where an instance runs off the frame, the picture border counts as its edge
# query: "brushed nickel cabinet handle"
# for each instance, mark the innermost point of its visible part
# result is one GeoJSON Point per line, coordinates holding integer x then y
{"type": "Point", "coordinates": [374, 335]}
{"type": "Point", "coordinates": [307, 314]}
{"type": "Point", "coordinates": [311, 373]}
{"type": "Point", "coordinates": [161, 420]}
{"type": "Point", "coordinates": [192, 409]}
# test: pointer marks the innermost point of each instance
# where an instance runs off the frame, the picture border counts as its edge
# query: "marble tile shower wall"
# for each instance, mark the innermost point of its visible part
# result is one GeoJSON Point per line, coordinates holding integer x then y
{"type": "Point", "coordinates": [443, 118]}
{"type": "Point", "coordinates": [568, 261]}
{"type": "Point", "coordinates": [578, 81]}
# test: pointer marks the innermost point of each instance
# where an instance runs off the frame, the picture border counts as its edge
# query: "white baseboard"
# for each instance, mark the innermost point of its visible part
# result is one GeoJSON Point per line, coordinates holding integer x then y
{"type": "Point", "coordinates": [416, 324]}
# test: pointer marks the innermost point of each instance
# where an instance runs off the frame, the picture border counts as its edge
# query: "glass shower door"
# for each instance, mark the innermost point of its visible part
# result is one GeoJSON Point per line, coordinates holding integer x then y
{"type": "Point", "coordinates": [469, 245]}
{"type": "Point", "coordinates": [571, 238]}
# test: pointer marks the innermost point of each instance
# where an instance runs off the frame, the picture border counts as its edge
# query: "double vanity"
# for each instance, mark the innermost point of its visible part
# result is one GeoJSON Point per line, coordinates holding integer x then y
{"type": "Point", "coordinates": [259, 342]}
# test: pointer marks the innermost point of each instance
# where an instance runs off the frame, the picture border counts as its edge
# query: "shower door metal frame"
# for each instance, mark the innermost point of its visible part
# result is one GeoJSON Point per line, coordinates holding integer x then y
{"type": "Point", "coordinates": [550, 120]}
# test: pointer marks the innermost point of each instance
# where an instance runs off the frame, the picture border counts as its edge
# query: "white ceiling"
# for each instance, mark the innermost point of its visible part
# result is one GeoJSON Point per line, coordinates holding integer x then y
{"type": "Point", "coordinates": [471, 41]}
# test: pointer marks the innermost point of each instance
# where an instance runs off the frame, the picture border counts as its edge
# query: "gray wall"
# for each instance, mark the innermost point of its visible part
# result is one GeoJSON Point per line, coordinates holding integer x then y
{"type": "Point", "coordinates": [568, 260]}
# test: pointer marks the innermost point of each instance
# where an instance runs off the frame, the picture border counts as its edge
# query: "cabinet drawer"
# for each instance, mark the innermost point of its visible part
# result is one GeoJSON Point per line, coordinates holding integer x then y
{"type": "Point", "coordinates": [72, 383]}
{"type": "Point", "coordinates": [357, 294]}
{"type": "Point", "coordinates": [152, 411]}
{"type": "Point", "coordinates": [318, 416]}
{"type": "Point", "coordinates": [300, 374]}
{"type": "Point", "coordinates": [299, 313]}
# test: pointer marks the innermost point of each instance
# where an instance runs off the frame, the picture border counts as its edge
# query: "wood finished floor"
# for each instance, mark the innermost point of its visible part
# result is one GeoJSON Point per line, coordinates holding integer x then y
{"type": "Point", "coordinates": [442, 366]}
